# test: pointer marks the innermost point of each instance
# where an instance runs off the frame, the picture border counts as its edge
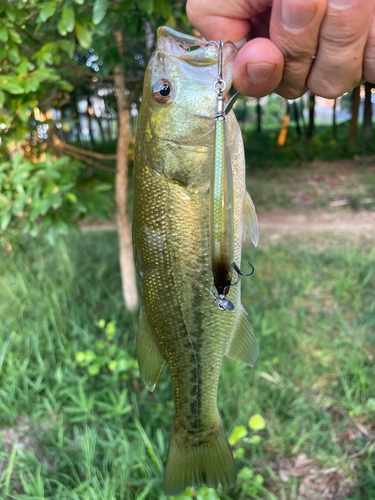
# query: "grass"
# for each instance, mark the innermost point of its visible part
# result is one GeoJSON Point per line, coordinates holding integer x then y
{"type": "Point", "coordinates": [88, 429]}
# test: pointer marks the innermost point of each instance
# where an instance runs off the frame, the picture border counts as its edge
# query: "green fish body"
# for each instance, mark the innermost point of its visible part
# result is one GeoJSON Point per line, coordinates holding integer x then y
{"type": "Point", "coordinates": [180, 324]}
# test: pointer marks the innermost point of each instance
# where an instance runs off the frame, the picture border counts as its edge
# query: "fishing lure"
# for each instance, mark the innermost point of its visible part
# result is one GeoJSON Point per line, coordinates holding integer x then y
{"type": "Point", "coordinates": [221, 196]}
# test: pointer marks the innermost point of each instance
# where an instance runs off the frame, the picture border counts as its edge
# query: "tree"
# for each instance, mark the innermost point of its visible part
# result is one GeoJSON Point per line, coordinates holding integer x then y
{"type": "Point", "coordinates": [311, 125]}
{"type": "Point", "coordinates": [367, 119]}
{"type": "Point", "coordinates": [355, 109]}
{"type": "Point", "coordinates": [48, 47]}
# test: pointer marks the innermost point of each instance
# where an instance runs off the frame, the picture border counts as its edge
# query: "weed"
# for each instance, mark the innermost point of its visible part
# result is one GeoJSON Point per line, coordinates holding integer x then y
{"type": "Point", "coordinates": [67, 368]}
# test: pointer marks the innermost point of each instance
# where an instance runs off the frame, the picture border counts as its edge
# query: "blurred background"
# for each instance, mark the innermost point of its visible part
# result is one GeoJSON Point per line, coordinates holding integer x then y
{"type": "Point", "coordinates": [76, 422]}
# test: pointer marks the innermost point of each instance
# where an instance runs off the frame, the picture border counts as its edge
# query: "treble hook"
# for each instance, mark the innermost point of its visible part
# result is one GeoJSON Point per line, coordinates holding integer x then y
{"type": "Point", "coordinates": [222, 303]}
{"type": "Point", "coordinates": [240, 273]}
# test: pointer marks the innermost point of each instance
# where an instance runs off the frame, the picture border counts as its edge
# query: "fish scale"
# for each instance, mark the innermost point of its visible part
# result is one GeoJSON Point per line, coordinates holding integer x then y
{"type": "Point", "coordinates": [180, 324]}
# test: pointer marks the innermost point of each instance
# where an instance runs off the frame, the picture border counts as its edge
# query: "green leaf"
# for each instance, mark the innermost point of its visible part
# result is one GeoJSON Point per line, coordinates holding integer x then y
{"type": "Point", "coordinates": [10, 14]}
{"type": "Point", "coordinates": [245, 474]}
{"type": "Point", "coordinates": [239, 453]}
{"type": "Point", "coordinates": [24, 112]}
{"type": "Point", "coordinates": [83, 35]}
{"type": "Point", "coordinates": [2, 99]}
{"type": "Point", "coordinates": [257, 422]}
{"type": "Point", "coordinates": [254, 439]}
{"type": "Point", "coordinates": [67, 22]}
{"type": "Point", "coordinates": [64, 85]}
{"type": "Point", "coordinates": [205, 493]}
{"type": "Point", "coordinates": [99, 11]}
{"type": "Point", "coordinates": [14, 55]}
{"type": "Point", "coordinates": [80, 357]}
{"type": "Point", "coordinates": [23, 68]}
{"type": "Point", "coordinates": [11, 84]}
{"type": "Point", "coordinates": [15, 36]}
{"type": "Point", "coordinates": [110, 330]}
{"type": "Point", "coordinates": [3, 34]}
{"type": "Point", "coordinates": [163, 7]}
{"type": "Point", "coordinates": [68, 46]}
{"type": "Point", "coordinates": [238, 433]}
{"type": "Point", "coordinates": [147, 6]}
{"type": "Point", "coordinates": [171, 22]}
{"type": "Point", "coordinates": [5, 220]}
{"type": "Point", "coordinates": [47, 11]}
{"type": "Point", "coordinates": [80, 2]}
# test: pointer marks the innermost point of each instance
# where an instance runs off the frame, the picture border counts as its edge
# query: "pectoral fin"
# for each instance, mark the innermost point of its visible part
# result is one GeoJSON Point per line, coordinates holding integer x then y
{"type": "Point", "coordinates": [244, 345]}
{"type": "Point", "coordinates": [250, 220]}
{"type": "Point", "coordinates": [150, 360]}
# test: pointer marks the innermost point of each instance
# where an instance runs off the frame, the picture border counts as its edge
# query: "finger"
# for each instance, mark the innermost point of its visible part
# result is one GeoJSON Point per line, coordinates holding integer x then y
{"type": "Point", "coordinates": [369, 54]}
{"type": "Point", "coordinates": [225, 19]}
{"type": "Point", "coordinates": [343, 34]}
{"type": "Point", "coordinates": [294, 29]}
{"type": "Point", "coordinates": [258, 68]}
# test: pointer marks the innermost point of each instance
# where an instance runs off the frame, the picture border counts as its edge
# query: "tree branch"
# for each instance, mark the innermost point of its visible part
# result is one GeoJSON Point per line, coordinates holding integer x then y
{"type": "Point", "coordinates": [92, 163]}
{"type": "Point", "coordinates": [74, 149]}
{"type": "Point", "coordinates": [80, 154]}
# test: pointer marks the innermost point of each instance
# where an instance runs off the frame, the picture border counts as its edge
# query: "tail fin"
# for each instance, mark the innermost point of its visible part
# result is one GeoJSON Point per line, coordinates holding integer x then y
{"type": "Point", "coordinates": [194, 460]}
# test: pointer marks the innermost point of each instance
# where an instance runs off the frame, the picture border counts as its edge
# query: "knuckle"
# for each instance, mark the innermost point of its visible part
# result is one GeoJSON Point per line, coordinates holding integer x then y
{"type": "Point", "coordinates": [328, 92]}
{"type": "Point", "coordinates": [294, 49]}
{"type": "Point", "coordinates": [332, 82]}
{"type": "Point", "coordinates": [289, 92]}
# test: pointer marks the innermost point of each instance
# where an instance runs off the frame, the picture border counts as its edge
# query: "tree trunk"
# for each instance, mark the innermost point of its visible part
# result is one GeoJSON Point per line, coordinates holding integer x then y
{"type": "Point", "coordinates": [334, 129]}
{"type": "Point", "coordinates": [259, 117]}
{"type": "Point", "coordinates": [311, 125]}
{"type": "Point", "coordinates": [367, 119]}
{"type": "Point", "coordinates": [129, 286]}
{"type": "Point", "coordinates": [301, 110]}
{"type": "Point", "coordinates": [354, 120]}
{"type": "Point", "coordinates": [296, 118]}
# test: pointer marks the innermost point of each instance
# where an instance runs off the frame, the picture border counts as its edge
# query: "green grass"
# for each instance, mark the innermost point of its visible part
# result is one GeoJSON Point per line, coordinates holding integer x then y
{"type": "Point", "coordinates": [69, 381]}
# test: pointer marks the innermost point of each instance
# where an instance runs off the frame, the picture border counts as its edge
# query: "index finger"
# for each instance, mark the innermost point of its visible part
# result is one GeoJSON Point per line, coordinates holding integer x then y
{"type": "Point", "coordinates": [230, 20]}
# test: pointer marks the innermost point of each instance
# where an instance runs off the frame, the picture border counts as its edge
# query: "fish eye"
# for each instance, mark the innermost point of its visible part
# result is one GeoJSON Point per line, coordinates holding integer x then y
{"type": "Point", "coordinates": [162, 91]}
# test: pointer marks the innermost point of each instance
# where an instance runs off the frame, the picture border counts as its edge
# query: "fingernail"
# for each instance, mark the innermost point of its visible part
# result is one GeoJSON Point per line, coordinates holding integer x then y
{"type": "Point", "coordinates": [260, 72]}
{"type": "Point", "coordinates": [297, 14]}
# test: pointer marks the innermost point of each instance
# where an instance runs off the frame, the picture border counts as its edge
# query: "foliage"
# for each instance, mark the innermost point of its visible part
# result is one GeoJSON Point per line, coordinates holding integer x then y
{"type": "Point", "coordinates": [107, 356]}
{"type": "Point", "coordinates": [103, 435]}
{"type": "Point", "coordinates": [57, 53]}
{"type": "Point", "coordinates": [31, 190]}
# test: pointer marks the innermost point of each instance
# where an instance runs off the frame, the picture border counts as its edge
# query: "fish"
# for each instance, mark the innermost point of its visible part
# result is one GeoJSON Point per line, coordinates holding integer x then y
{"type": "Point", "coordinates": [180, 324]}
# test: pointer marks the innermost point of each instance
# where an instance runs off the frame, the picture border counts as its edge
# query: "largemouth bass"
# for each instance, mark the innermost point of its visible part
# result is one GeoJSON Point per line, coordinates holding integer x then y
{"type": "Point", "coordinates": [180, 324]}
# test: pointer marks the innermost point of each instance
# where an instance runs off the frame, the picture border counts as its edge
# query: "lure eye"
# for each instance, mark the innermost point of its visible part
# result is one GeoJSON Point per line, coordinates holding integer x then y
{"type": "Point", "coordinates": [162, 91]}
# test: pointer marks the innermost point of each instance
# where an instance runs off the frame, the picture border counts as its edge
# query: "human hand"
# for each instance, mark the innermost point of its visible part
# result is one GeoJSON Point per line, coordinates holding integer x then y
{"type": "Point", "coordinates": [326, 46]}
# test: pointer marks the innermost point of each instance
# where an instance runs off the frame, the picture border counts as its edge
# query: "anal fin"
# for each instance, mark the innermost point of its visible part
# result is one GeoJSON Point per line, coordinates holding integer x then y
{"type": "Point", "coordinates": [244, 345]}
{"type": "Point", "coordinates": [150, 360]}
{"type": "Point", "coordinates": [250, 220]}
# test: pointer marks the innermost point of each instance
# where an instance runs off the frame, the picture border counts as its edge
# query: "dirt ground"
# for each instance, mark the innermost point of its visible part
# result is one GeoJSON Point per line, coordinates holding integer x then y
{"type": "Point", "coordinates": [295, 222]}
